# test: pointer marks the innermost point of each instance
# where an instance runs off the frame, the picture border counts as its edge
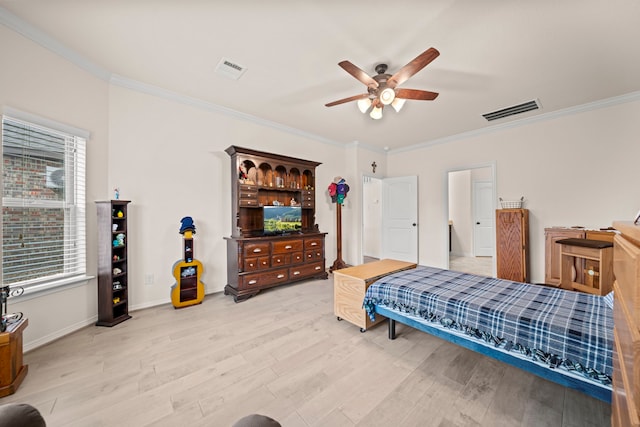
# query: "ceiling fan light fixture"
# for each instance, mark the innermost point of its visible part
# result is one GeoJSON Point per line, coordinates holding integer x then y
{"type": "Point", "coordinates": [387, 96]}
{"type": "Point", "coordinates": [376, 113]}
{"type": "Point", "coordinates": [398, 103]}
{"type": "Point", "coordinates": [364, 104]}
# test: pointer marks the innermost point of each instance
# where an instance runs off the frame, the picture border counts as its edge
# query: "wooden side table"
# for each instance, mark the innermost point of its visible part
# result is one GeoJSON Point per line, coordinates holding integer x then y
{"type": "Point", "coordinates": [350, 285]}
{"type": "Point", "coordinates": [12, 371]}
{"type": "Point", "coordinates": [587, 265]}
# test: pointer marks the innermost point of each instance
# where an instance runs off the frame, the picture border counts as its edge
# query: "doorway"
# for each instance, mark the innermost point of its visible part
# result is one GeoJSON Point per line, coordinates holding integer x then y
{"type": "Point", "coordinates": [471, 205]}
{"type": "Point", "coordinates": [390, 218]}
{"type": "Point", "coordinates": [371, 218]}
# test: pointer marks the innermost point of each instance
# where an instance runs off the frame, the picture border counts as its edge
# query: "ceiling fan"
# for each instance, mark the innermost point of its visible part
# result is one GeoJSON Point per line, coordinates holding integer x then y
{"type": "Point", "coordinates": [382, 89]}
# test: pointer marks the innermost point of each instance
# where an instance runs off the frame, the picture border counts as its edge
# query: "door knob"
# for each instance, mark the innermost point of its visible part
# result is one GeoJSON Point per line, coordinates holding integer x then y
{"type": "Point", "coordinates": [414, 224]}
{"type": "Point", "coordinates": [477, 223]}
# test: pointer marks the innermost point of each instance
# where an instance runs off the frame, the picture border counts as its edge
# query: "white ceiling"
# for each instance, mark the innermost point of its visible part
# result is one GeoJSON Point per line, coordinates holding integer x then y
{"type": "Point", "coordinates": [493, 54]}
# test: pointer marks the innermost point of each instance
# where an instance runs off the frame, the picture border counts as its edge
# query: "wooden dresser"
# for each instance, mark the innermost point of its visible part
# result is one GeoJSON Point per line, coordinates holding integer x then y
{"type": "Point", "coordinates": [260, 254]}
{"type": "Point", "coordinates": [512, 244]}
{"type": "Point", "coordinates": [264, 262]}
{"type": "Point", "coordinates": [626, 313]}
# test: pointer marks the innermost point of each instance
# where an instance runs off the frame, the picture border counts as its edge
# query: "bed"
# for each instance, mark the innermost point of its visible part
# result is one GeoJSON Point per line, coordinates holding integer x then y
{"type": "Point", "coordinates": [563, 336]}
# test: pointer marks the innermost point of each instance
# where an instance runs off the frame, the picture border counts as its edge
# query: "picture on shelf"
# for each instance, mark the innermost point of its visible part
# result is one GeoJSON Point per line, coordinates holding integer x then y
{"type": "Point", "coordinates": [282, 219]}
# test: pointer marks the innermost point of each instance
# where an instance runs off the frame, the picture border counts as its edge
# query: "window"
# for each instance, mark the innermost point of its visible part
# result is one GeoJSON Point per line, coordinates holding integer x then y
{"type": "Point", "coordinates": [43, 204]}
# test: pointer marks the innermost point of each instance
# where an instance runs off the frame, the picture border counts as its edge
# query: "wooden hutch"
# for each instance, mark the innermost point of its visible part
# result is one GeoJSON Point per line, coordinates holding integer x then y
{"type": "Point", "coordinates": [257, 260]}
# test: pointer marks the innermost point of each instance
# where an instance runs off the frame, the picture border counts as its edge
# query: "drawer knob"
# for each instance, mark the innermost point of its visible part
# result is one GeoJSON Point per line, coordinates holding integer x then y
{"type": "Point", "coordinates": [257, 250]}
{"type": "Point", "coordinates": [253, 282]}
{"type": "Point", "coordinates": [288, 247]}
{"type": "Point", "coordinates": [318, 267]}
{"type": "Point", "coordinates": [280, 276]}
{"type": "Point", "coordinates": [279, 261]}
{"type": "Point", "coordinates": [295, 273]}
{"type": "Point", "coordinates": [314, 243]}
{"type": "Point", "coordinates": [264, 262]}
{"type": "Point", "coordinates": [250, 264]}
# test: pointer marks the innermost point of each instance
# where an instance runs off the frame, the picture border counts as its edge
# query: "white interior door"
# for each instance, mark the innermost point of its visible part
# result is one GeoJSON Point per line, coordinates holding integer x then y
{"type": "Point", "coordinates": [400, 218]}
{"type": "Point", "coordinates": [483, 210]}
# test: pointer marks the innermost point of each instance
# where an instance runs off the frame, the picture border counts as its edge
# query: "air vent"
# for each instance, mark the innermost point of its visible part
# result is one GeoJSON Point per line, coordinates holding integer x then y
{"type": "Point", "coordinates": [230, 69]}
{"type": "Point", "coordinates": [510, 111]}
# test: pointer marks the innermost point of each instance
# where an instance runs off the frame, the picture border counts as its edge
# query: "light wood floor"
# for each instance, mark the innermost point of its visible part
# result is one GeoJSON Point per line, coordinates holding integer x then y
{"type": "Point", "coordinates": [482, 266]}
{"type": "Point", "coordinates": [284, 354]}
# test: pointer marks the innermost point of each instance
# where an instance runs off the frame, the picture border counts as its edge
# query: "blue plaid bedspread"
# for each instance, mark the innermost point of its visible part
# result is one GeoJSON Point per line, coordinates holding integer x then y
{"type": "Point", "coordinates": [562, 328]}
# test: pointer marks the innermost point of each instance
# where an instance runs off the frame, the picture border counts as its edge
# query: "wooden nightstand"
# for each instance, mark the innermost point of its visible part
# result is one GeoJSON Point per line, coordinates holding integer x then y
{"type": "Point", "coordinates": [350, 285]}
{"type": "Point", "coordinates": [587, 265]}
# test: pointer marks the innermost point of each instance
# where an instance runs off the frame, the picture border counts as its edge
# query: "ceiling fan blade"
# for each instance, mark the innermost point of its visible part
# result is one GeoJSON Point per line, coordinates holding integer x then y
{"type": "Point", "coordinates": [358, 74]}
{"type": "Point", "coordinates": [351, 98]}
{"type": "Point", "coordinates": [422, 95]}
{"type": "Point", "coordinates": [417, 64]}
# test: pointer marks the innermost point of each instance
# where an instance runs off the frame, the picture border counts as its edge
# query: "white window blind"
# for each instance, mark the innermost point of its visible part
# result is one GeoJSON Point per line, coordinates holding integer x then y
{"type": "Point", "coordinates": [43, 204]}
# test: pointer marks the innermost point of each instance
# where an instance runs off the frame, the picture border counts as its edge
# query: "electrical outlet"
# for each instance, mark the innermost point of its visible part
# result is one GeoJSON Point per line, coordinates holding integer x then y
{"type": "Point", "coordinates": [148, 279]}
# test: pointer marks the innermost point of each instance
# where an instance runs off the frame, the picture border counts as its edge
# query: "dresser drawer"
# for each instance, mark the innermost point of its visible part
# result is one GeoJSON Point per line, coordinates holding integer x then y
{"type": "Point", "coordinates": [267, 278]}
{"type": "Point", "coordinates": [287, 246]}
{"type": "Point", "coordinates": [248, 203]}
{"type": "Point", "coordinates": [627, 347]}
{"type": "Point", "coordinates": [314, 243]}
{"type": "Point", "coordinates": [297, 258]}
{"type": "Point", "coordinates": [626, 265]}
{"type": "Point", "coordinates": [256, 249]}
{"type": "Point", "coordinates": [623, 411]}
{"type": "Point", "coordinates": [255, 263]}
{"type": "Point", "coordinates": [249, 188]}
{"type": "Point", "coordinates": [248, 196]}
{"type": "Point", "coordinates": [316, 255]}
{"type": "Point", "coordinates": [278, 260]}
{"type": "Point", "coordinates": [306, 270]}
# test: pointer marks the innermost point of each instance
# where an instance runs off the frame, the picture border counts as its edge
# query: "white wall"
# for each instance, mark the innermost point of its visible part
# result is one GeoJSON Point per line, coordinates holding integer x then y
{"type": "Point", "coordinates": [575, 169]}
{"type": "Point", "coordinates": [36, 81]}
{"type": "Point", "coordinates": [168, 158]}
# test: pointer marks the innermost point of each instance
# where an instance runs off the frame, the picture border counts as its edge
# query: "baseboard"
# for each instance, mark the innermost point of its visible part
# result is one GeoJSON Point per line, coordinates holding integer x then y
{"type": "Point", "coordinates": [32, 345]}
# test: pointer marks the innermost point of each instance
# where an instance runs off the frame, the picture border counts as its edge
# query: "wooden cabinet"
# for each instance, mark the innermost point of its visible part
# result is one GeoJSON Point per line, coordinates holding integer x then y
{"type": "Point", "coordinates": [587, 265]}
{"type": "Point", "coordinates": [113, 282]}
{"type": "Point", "coordinates": [261, 179]}
{"type": "Point", "coordinates": [256, 263]}
{"type": "Point", "coordinates": [512, 244]}
{"type": "Point", "coordinates": [294, 248]}
{"type": "Point", "coordinates": [12, 371]}
{"type": "Point", "coordinates": [626, 314]}
{"type": "Point", "coordinates": [552, 258]}
{"type": "Point", "coordinates": [350, 285]}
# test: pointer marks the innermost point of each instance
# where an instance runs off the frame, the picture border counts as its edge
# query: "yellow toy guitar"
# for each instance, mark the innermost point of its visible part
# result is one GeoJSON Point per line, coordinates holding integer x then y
{"type": "Point", "coordinates": [188, 289]}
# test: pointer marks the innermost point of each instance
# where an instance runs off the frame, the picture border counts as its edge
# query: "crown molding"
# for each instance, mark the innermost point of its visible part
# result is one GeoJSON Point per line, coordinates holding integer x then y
{"type": "Point", "coordinates": [19, 26]}
{"type": "Point", "coordinates": [201, 104]}
{"type": "Point", "coordinates": [552, 115]}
